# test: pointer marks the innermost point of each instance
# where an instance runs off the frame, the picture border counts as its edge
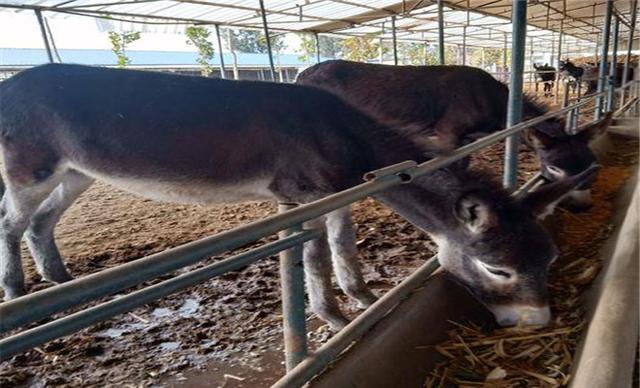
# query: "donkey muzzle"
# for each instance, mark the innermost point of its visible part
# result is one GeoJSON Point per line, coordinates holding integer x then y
{"type": "Point", "coordinates": [514, 314]}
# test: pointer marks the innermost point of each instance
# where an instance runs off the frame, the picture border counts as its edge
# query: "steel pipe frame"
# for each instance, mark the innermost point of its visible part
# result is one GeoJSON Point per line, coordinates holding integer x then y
{"type": "Point", "coordinates": [555, 97]}
{"type": "Point", "coordinates": [63, 326]}
{"type": "Point", "coordinates": [514, 109]}
{"type": "Point", "coordinates": [317, 38]}
{"type": "Point", "coordinates": [625, 72]}
{"type": "Point", "coordinates": [45, 39]}
{"type": "Point", "coordinates": [219, 39]}
{"type": "Point", "coordinates": [604, 53]}
{"type": "Point", "coordinates": [317, 361]}
{"type": "Point", "coordinates": [441, 51]}
{"type": "Point", "coordinates": [292, 285]}
{"type": "Point", "coordinates": [265, 27]}
{"type": "Point", "coordinates": [394, 40]}
{"type": "Point", "coordinates": [613, 65]}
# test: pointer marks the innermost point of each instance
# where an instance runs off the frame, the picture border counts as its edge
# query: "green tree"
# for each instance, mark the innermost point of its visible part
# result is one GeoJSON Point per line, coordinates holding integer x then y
{"type": "Point", "coordinates": [330, 47]}
{"type": "Point", "coordinates": [199, 37]}
{"type": "Point", "coordinates": [119, 42]}
{"type": "Point", "coordinates": [411, 53]}
{"type": "Point", "coordinates": [361, 48]}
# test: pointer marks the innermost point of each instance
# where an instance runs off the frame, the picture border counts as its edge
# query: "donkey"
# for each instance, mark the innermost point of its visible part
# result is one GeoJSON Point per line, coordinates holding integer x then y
{"type": "Point", "coordinates": [578, 74]}
{"type": "Point", "coordinates": [198, 140]}
{"type": "Point", "coordinates": [454, 105]}
{"type": "Point", "coordinates": [547, 75]}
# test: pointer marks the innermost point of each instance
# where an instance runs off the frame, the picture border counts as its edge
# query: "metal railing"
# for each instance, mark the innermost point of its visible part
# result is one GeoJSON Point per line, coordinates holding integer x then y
{"type": "Point", "coordinates": [301, 366]}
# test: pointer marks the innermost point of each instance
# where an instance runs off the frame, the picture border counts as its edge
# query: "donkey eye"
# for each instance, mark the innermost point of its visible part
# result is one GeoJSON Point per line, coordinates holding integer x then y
{"type": "Point", "coordinates": [498, 272]}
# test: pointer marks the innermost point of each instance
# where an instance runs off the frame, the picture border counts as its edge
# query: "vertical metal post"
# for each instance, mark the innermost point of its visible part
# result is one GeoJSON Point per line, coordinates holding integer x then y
{"type": "Point", "coordinates": [602, 71]}
{"type": "Point", "coordinates": [625, 72]}
{"type": "Point", "coordinates": [553, 49]}
{"type": "Point", "coordinates": [222, 74]}
{"type": "Point", "coordinates": [464, 45]}
{"type": "Point", "coordinates": [441, 33]}
{"type": "Point", "coordinates": [292, 284]}
{"type": "Point", "coordinates": [268, 39]}
{"type": "Point", "coordinates": [44, 34]}
{"type": "Point", "coordinates": [514, 110]}
{"type": "Point", "coordinates": [531, 73]}
{"type": "Point", "coordinates": [317, 37]}
{"type": "Point", "coordinates": [504, 58]}
{"type": "Point", "coordinates": [393, 37]}
{"type": "Point", "coordinates": [576, 112]}
{"type": "Point", "coordinates": [555, 99]}
{"type": "Point", "coordinates": [613, 66]}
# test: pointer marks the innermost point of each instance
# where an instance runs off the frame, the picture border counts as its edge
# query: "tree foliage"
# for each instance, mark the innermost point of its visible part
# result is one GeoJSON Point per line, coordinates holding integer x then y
{"type": "Point", "coordinates": [199, 37]}
{"type": "Point", "coordinates": [119, 42]}
{"type": "Point", "coordinates": [253, 41]}
{"type": "Point", "coordinates": [411, 53]}
{"type": "Point", "coordinates": [330, 47]}
{"type": "Point", "coordinates": [360, 48]}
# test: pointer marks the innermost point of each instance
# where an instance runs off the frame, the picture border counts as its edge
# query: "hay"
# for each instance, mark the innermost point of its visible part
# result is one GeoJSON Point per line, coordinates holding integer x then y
{"type": "Point", "coordinates": [533, 356]}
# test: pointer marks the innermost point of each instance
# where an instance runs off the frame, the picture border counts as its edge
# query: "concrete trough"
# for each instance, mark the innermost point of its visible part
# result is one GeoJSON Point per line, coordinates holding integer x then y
{"type": "Point", "coordinates": [399, 351]}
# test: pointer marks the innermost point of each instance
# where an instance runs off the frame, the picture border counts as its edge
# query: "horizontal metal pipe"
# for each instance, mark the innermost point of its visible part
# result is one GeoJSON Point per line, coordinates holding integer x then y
{"type": "Point", "coordinates": [317, 361]}
{"type": "Point", "coordinates": [63, 326]}
{"type": "Point", "coordinates": [529, 185]}
{"type": "Point", "coordinates": [46, 302]}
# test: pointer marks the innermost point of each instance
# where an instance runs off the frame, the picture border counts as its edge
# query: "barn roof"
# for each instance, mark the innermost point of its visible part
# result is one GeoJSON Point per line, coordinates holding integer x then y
{"type": "Point", "coordinates": [485, 22]}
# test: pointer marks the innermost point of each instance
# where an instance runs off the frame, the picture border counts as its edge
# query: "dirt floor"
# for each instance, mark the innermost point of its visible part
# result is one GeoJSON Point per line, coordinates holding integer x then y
{"type": "Point", "coordinates": [232, 321]}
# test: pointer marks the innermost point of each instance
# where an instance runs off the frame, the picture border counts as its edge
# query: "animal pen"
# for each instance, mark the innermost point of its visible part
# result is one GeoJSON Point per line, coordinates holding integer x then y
{"type": "Point", "coordinates": [522, 29]}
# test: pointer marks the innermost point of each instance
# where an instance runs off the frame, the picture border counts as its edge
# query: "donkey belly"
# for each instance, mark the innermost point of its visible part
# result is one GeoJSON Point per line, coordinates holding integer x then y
{"type": "Point", "coordinates": [189, 191]}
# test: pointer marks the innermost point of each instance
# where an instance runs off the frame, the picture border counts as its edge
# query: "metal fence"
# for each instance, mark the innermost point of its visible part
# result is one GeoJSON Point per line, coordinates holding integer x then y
{"type": "Point", "coordinates": [301, 366]}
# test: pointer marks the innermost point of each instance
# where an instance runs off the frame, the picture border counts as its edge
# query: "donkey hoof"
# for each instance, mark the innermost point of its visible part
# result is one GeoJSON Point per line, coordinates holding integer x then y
{"type": "Point", "coordinates": [57, 277]}
{"type": "Point", "coordinates": [13, 293]}
{"type": "Point", "coordinates": [364, 301]}
{"type": "Point", "coordinates": [338, 324]}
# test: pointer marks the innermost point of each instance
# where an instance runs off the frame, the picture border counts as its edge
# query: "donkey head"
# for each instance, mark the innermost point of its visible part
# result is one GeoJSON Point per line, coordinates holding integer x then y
{"type": "Point", "coordinates": [562, 155]}
{"type": "Point", "coordinates": [490, 242]}
{"type": "Point", "coordinates": [502, 253]}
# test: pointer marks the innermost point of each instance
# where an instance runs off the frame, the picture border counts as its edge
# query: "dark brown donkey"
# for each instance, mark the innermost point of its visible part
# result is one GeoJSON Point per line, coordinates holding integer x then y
{"type": "Point", "coordinates": [198, 140]}
{"type": "Point", "coordinates": [454, 105]}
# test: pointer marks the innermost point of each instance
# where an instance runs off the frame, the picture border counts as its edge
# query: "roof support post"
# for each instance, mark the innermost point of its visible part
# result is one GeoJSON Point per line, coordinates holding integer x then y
{"type": "Point", "coordinates": [514, 109]}
{"type": "Point", "coordinates": [611, 95]}
{"type": "Point", "coordinates": [604, 50]}
{"type": "Point", "coordinates": [317, 37]}
{"type": "Point", "coordinates": [555, 98]}
{"type": "Point", "coordinates": [504, 58]}
{"type": "Point", "coordinates": [222, 74]}
{"type": "Point", "coordinates": [625, 72]}
{"type": "Point", "coordinates": [268, 39]}
{"type": "Point", "coordinates": [440, 33]}
{"type": "Point", "coordinates": [395, 42]}
{"type": "Point", "coordinates": [45, 39]}
{"type": "Point", "coordinates": [464, 45]}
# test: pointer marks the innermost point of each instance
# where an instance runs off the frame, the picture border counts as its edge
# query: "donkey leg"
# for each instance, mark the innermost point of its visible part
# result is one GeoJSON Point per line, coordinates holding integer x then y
{"type": "Point", "coordinates": [16, 207]}
{"type": "Point", "coordinates": [317, 269]}
{"type": "Point", "coordinates": [344, 253]}
{"type": "Point", "coordinates": [39, 234]}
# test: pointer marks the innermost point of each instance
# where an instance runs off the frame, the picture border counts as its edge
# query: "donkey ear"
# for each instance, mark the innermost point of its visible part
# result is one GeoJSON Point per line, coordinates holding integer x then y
{"type": "Point", "coordinates": [475, 213]}
{"type": "Point", "coordinates": [542, 201]}
{"type": "Point", "coordinates": [593, 130]}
